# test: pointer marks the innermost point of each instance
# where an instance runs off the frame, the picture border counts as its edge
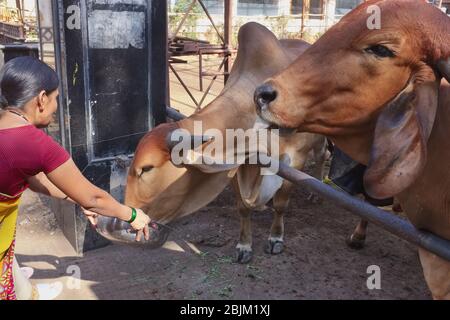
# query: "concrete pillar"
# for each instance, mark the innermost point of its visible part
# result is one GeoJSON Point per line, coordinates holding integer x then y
{"type": "Point", "coordinates": [46, 33]}
{"type": "Point", "coordinates": [230, 9]}
{"type": "Point", "coordinates": [330, 11]}
{"type": "Point", "coordinates": [284, 7]}
{"type": "Point", "coordinates": [122, 34]}
{"type": "Point", "coordinates": [234, 5]}
{"type": "Point", "coordinates": [228, 20]}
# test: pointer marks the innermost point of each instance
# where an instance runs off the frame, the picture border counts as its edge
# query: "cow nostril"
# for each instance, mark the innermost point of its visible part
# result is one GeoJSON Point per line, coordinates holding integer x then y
{"type": "Point", "coordinates": [264, 95]}
{"type": "Point", "coordinates": [268, 97]}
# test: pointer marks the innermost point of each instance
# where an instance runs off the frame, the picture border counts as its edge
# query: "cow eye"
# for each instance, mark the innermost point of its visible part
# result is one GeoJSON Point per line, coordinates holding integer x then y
{"type": "Point", "coordinates": [380, 51]}
{"type": "Point", "coordinates": [146, 169]}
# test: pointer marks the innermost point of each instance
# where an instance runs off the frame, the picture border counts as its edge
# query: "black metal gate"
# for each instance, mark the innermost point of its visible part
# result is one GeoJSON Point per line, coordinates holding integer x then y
{"type": "Point", "coordinates": [111, 58]}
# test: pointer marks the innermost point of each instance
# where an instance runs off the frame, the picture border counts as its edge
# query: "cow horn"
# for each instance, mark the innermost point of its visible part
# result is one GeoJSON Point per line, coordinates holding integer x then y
{"type": "Point", "coordinates": [444, 68]}
{"type": "Point", "coordinates": [195, 140]}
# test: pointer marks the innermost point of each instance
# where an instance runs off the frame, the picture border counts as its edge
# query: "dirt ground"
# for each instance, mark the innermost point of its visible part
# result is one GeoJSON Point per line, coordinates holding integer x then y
{"type": "Point", "coordinates": [197, 261]}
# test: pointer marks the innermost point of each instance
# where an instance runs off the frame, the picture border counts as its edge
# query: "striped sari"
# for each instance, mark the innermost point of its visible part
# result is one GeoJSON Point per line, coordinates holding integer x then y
{"type": "Point", "coordinates": [9, 208]}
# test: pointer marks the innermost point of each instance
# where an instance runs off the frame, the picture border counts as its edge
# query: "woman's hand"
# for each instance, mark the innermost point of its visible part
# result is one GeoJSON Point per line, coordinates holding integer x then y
{"type": "Point", "coordinates": [70, 181]}
{"type": "Point", "coordinates": [92, 216]}
{"type": "Point", "coordinates": [141, 225]}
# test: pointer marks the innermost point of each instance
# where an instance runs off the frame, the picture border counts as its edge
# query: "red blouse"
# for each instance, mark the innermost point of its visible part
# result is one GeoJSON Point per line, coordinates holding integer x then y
{"type": "Point", "coordinates": [24, 152]}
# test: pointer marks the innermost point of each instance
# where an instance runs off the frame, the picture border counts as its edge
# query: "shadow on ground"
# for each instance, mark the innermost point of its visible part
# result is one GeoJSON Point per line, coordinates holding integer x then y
{"type": "Point", "coordinates": [316, 264]}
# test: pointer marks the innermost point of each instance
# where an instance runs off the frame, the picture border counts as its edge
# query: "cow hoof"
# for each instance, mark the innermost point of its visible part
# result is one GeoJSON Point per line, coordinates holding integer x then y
{"type": "Point", "coordinates": [243, 255]}
{"type": "Point", "coordinates": [274, 246]}
{"type": "Point", "coordinates": [314, 198]}
{"type": "Point", "coordinates": [356, 241]}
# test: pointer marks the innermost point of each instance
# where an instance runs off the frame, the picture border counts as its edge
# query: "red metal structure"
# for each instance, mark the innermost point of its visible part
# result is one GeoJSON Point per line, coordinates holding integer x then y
{"type": "Point", "coordinates": [182, 46]}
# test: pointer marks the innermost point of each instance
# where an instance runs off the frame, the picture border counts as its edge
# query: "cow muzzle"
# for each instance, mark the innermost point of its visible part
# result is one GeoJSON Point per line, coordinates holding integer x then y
{"type": "Point", "coordinates": [264, 96]}
{"type": "Point", "coordinates": [121, 232]}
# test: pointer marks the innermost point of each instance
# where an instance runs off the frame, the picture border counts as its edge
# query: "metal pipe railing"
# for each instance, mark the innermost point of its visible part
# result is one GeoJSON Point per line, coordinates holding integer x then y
{"type": "Point", "coordinates": [388, 221]}
{"type": "Point", "coordinates": [174, 114]}
{"type": "Point", "coordinates": [384, 219]}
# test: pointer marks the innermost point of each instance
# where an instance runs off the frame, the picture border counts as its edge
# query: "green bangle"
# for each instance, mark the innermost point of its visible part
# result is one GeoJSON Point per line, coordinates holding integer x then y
{"type": "Point", "coordinates": [133, 215]}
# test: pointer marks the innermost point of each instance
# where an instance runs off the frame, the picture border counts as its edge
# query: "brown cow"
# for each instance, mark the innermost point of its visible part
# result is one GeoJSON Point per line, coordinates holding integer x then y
{"type": "Point", "coordinates": [378, 94]}
{"type": "Point", "coordinates": [166, 192]}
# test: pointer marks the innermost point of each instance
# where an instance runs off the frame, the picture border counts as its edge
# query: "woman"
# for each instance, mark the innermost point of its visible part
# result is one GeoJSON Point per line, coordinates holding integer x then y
{"type": "Point", "coordinates": [31, 159]}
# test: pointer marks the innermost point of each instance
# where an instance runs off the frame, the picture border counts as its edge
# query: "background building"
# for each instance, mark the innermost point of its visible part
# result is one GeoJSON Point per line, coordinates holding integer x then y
{"type": "Point", "coordinates": [446, 6]}
{"type": "Point", "coordinates": [286, 18]}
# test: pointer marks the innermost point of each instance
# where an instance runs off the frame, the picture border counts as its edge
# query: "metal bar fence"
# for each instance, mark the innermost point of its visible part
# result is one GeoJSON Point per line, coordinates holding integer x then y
{"type": "Point", "coordinates": [388, 221]}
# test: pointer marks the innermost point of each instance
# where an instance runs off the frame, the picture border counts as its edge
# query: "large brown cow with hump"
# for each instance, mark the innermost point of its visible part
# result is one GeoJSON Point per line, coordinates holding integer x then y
{"type": "Point", "coordinates": [378, 94]}
{"type": "Point", "coordinates": [166, 192]}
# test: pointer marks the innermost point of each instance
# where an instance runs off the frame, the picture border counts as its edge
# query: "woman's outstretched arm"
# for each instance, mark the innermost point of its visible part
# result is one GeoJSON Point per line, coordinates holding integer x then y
{"type": "Point", "coordinates": [67, 180]}
{"type": "Point", "coordinates": [40, 184]}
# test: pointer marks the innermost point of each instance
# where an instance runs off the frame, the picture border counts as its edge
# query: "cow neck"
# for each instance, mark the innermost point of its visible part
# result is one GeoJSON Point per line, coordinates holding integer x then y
{"type": "Point", "coordinates": [356, 147]}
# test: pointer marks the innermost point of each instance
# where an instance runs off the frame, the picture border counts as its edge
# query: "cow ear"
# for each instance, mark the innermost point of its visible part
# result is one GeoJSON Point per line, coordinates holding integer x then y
{"type": "Point", "coordinates": [399, 149]}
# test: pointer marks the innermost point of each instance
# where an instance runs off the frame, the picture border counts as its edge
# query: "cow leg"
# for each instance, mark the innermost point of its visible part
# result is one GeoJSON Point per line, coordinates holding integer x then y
{"type": "Point", "coordinates": [396, 206]}
{"type": "Point", "coordinates": [244, 251]}
{"type": "Point", "coordinates": [358, 237]}
{"type": "Point", "coordinates": [321, 154]}
{"type": "Point", "coordinates": [244, 247]}
{"type": "Point", "coordinates": [275, 244]}
{"type": "Point", "coordinates": [437, 274]}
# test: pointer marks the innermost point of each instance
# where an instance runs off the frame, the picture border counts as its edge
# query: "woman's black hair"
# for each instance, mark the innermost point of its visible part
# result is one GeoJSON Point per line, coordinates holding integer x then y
{"type": "Point", "coordinates": [23, 78]}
